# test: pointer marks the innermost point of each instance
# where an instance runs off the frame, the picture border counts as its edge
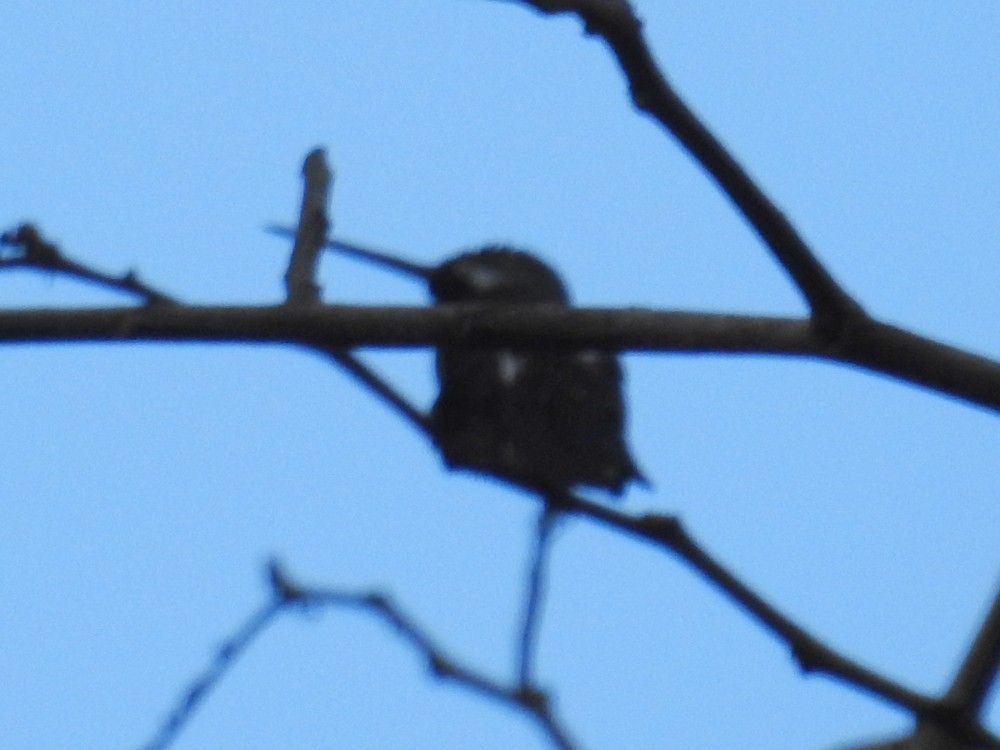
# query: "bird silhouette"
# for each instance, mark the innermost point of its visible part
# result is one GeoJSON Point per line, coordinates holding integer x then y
{"type": "Point", "coordinates": [548, 419]}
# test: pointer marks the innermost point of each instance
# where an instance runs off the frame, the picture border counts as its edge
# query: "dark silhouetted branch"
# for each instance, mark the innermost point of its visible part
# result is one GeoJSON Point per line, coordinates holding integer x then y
{"type": "Point", "coordinates": [300, 278]}
{"type": "Point", "coordinates": [535, 597]}
{"type": "Point", "coordinates": [534, 703]}
{"type": "Point", "coordinates": [287, 593]}
{"type": "Point", "coordinates": [977, 675]}
{"type": "Point", "coordinates": [377, 385]}
{"type": "Point", "coordinates": [202, 686]}
{"type": "Point", "coordinates": [31, 250]}
{"type": "Point", "coordinates": [871, 345]}
{"type": "Point", "coordinates": [303, 290]}
{"type": "Point", "coordinates": [812, 654]}
{"type": "Point", "coordinates": [616, 23]}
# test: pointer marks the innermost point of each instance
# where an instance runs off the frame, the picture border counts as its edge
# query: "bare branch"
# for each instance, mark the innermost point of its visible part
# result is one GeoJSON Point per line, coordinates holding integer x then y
{"type": "Point", "coordinates": [300, 279]}
{"type": "Point", "coordinates": [536, 588]}
{"type": "Point", "coordinates": [976, 676]}
{"type": "Point", "coordinates": [872, 345]}
{"type": "Point", "coordinates": [533, 702]}
{"type": "Point", "coordinates": [377, 385]}
{"type": "Point", "coordinates": [35, 252]}
{"type": "Point", "coordinates": [616, 23]}
{"type": "Point", "coordinates": [202, 686]}
{"type": "Point", "coordinates": [811, 653]}
{"type": "Point", "coordinates": [310, 239]}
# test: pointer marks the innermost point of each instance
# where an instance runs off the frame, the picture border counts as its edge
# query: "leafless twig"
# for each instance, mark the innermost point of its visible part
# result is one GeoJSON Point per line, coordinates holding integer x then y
{"type": "Point", "coordinates": [34, 251]}
{"type": "Point", "coordinates": [617, 24]}
{"type": "Point", "coordinates": [202, 686]}
{"type": "Point", "coordinates": [377, 385]}
{"type": "Point", "coordinates": [287, 593]}
{"type": "Point", "coordinates": [535, 703]}
{"type": "Point", "coordinates": [547, 520]}
{"type": "Point", "coordinates": [812, 654]}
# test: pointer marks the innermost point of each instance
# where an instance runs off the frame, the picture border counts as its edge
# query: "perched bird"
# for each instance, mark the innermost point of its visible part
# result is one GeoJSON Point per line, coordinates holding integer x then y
{"type": "Point", "coordinates": [545, 419]}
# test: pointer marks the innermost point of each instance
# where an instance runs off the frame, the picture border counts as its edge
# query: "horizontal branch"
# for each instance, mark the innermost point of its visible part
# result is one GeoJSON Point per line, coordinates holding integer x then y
{"type": "Point", "coordinates": [866, 343]}
{"type": "Point", "coordinates": [408, 327]}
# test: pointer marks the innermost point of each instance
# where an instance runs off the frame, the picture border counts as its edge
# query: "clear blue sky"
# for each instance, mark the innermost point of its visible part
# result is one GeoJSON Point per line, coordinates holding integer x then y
{"type": "Point", "coordinates": [142, 487]}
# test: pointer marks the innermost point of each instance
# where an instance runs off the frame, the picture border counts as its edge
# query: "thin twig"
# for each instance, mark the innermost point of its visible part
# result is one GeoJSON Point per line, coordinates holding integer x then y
{"type": "Point", "coordinates": [201, 687]}
{"type": "Point", "coordinates": [377, 385]}
{"type": "Point", "coordinates": [34, 251]}
{"type": "Point", "coordinates": [533, 702]}
{"type": "Point", "coordinates": [547, 520]}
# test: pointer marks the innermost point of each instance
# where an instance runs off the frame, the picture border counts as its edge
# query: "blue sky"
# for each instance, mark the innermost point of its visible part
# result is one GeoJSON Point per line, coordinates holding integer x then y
{"type": "Point", "coordinates": [144, 486]}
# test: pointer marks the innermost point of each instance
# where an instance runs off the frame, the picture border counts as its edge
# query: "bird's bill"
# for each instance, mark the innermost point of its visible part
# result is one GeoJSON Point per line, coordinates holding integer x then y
{"type": "Point", "coordinates": [364, 253]}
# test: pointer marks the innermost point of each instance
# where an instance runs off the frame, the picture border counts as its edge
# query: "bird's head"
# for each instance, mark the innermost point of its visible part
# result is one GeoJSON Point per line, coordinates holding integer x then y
{"type": "Point", "coordinates": [496, 274]}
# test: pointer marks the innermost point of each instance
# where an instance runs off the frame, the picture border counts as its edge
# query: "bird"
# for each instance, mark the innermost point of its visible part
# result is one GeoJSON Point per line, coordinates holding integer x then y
{"type": "Point", "coordinates": [547, 419]}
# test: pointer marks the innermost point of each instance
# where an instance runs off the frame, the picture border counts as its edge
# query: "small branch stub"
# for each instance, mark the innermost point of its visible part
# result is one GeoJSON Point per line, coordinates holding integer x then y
{"type": "Point", "coordinates": [300, 279]}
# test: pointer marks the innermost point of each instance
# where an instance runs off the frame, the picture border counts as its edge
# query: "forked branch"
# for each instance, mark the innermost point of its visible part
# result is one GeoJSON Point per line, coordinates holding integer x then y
{"type": "Point", "coordinates": [287, 594]}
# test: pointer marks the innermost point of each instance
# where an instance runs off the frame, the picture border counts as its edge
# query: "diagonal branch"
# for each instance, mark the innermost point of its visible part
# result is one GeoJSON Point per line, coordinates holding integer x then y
{"type": "Point", "coordinates": [616, 23]}
{"type": "Point", "coordinates": [34, 251]}
{"type": "Point", "coordinates": [977, 675]}
{"type": "Point", "coordinates": [377, 385]}
{"type": "Point", "coordinates": [812, 654]}
{"type": "Point", "coordinates": [202, 686]}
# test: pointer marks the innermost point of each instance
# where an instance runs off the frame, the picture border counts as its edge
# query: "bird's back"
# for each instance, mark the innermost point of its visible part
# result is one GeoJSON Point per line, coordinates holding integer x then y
{"type": "Point", "coordinates": [550, 420]}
